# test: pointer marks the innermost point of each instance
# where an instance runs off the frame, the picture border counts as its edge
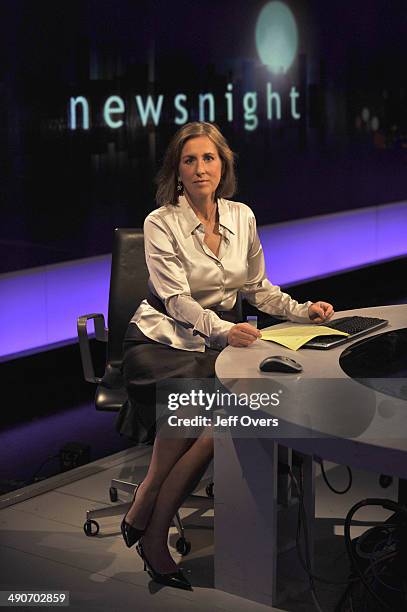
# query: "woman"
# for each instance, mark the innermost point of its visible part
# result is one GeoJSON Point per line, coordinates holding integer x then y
{"type": "Point", "coordinates": [201, 249]}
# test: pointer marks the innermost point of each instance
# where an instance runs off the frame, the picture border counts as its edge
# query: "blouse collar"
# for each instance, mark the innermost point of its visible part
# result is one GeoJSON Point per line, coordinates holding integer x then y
{"type": "Point", "coordinates": [191, 221]}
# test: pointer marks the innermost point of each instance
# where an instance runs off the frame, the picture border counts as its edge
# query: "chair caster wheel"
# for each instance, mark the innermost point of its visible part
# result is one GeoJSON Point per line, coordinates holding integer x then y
{"type": "Point", "coordinates": [87, 527]}
{"type": "Point", "coordinates": [113, 494]}
{"type": "Point", "coordinates": [209, 490]}
{"type": "Point", "coordinates": [183, 546]}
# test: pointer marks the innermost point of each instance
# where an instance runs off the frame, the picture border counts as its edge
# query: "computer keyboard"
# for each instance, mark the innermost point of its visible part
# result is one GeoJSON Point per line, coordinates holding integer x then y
{"type": "Point", "coordinates": [354, 326]}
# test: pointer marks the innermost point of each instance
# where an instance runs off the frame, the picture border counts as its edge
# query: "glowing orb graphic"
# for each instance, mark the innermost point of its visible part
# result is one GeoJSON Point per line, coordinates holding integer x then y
{"type": "Point", "coordinates": [276, 36]}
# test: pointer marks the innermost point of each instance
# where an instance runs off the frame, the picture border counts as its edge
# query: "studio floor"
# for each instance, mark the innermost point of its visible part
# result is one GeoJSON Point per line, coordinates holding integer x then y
{"type": "Point", "coordinates": [43, 545]}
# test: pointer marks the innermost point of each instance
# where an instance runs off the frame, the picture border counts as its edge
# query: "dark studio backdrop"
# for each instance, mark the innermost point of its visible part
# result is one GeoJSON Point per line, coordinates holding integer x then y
{"type": "Point", "coordinates": [90, 93]}
{"type": "Point", "coordinates": [92, 90]}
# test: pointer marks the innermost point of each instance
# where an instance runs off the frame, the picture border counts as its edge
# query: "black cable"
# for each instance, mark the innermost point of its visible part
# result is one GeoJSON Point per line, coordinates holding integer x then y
{"type": "Point", "coordinates": [344, 597]}
{"type": "Point", "coordinates": [384, 503]}
{"type": "Point", "coordinates": [347, 594]}
{"type": "Point", "coordinates": [306, 543]}
{"type": "Point", "coordinates": [301, 558]}
{"type": "Point", "coordinates": [306, 564]}
{"type": "Point", "coordinates": [328, 484]}
{"type": "Point", "coordinates": [302, 518]}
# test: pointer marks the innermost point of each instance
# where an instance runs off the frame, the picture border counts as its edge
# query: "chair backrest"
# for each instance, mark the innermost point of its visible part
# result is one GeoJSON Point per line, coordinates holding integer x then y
{"type": "Point", "coordinates": [128, 286]}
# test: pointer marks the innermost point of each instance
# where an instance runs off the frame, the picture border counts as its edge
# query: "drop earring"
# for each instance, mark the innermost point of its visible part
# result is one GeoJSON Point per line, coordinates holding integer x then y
{"type": "Point", "coordinates": [180, 187]}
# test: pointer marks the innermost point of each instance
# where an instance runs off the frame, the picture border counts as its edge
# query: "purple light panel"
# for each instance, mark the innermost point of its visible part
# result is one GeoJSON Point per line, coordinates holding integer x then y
{"type": "Point", "coordinates": [39, 306]}
{"type": "Point", "coordinates": [317, 246]}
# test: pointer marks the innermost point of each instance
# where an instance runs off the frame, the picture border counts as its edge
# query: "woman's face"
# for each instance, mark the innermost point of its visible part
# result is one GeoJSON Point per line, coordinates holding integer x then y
{"type": "Point", "coordinates": [200, 168]}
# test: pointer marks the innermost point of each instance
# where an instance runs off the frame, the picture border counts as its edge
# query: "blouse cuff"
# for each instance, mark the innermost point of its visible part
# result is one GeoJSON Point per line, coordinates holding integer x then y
{"type": "Point", "coordinates": [299, 314]}
{"type": "Point", "coordinates": [213, 329]}
{"type": "Point", "coordinates": [219, 339]}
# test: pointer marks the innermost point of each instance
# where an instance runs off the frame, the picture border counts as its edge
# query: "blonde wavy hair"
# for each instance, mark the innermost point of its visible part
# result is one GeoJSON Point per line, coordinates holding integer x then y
{"type": "Point", "coordinates": [167, 176]}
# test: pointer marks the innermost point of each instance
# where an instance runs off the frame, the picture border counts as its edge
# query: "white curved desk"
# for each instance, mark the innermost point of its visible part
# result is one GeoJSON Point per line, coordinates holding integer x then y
{"type": "Point", "coordinates": [323, 412]}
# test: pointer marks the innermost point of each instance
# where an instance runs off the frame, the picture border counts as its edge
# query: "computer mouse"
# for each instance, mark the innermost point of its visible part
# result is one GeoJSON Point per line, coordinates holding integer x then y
{"type": "Point", "coordinates": [279, 363]}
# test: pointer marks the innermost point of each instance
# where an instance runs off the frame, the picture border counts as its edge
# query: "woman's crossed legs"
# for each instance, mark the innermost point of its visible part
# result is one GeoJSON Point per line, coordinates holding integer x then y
{"type": "Point", "coordinates": [176, 467]}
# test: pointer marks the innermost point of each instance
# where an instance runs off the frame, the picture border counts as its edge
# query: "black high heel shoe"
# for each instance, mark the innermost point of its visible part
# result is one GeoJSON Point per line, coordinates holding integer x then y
{"type": "Point", "coordinates": [175, 579]}
{"type": "Point", "coordinates": [131, 534]}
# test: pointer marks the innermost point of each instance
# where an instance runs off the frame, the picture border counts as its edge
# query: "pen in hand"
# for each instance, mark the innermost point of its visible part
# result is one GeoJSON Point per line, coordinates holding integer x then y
{"type": "Point", "coordinates": [319, 312]}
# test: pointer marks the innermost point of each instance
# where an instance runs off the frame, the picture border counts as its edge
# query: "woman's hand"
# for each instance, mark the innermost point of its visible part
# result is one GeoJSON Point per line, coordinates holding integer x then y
{"type": "Point", "coordinates": [242, 334]}
{"type": "Point", "coordinates": [319, 312]}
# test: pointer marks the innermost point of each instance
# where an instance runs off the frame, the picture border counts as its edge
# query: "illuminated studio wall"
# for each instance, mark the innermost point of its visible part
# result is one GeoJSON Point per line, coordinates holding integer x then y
{"type": "Point", "coordinates": [312, 96]}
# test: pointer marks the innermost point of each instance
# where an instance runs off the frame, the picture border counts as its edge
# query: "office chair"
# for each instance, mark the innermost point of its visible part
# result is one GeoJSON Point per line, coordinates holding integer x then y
{"type": "Point", "coordinates": [128, 287]}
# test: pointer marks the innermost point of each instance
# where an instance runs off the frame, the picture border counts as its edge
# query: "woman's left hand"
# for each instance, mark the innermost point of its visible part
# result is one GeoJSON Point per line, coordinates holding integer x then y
{"type": "Point", "coordinates": [319, 312]}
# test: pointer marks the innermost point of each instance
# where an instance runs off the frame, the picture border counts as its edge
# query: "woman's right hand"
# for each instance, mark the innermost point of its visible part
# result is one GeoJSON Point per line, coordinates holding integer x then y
{"type": "Point", "coordinates": [242, 334]}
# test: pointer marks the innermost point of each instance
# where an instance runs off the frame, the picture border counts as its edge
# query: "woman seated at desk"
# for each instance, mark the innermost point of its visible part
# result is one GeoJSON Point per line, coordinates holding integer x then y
{"type": "Point", "coordinates": [201, 249]}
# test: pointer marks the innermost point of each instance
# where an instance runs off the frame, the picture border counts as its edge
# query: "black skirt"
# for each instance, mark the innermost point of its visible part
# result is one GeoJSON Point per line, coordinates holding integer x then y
{"type": "Point", "coordinates": [145, 364]}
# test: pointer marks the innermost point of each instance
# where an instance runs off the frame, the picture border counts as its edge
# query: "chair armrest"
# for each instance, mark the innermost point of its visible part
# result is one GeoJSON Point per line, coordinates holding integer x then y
{"type": "Point", "coordinates": [101, 334]}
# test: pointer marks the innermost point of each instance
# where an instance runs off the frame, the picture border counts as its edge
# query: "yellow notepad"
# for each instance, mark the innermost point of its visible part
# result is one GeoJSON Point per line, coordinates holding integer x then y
{"type": "Point", "coordinates": [296, 336]}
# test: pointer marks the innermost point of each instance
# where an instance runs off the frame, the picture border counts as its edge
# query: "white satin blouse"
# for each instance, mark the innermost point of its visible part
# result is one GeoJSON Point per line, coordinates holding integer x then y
{"type": "Point", "coordinates": [190, 279]}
